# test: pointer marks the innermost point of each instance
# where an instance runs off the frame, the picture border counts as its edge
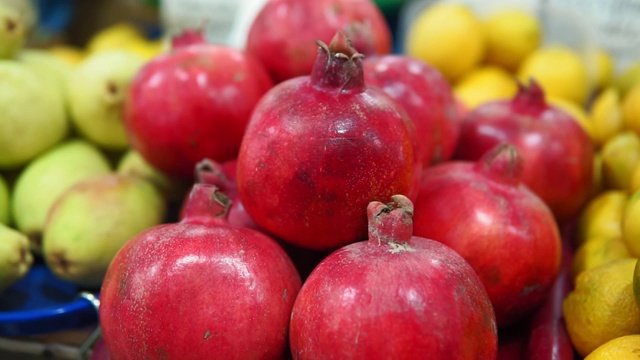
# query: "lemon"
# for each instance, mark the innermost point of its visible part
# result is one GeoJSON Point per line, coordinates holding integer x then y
{"type": "Point", "coordinates": [484, 84]}
{"type": "Point", "coordinates": [70, 54]}
{"type": "Point", "coordinates": [578, 113]}
{"type": "Point", "coordinates": [511, 35]}
{"type": "Point", "coordinates": [628, 78]}
{"type": "Point", "coordinates": [447, 36]}
{"type": "Point", "coordinates": [635, 179]}
{"type": "Point", "coordinates": [602, 216]}
{"type": "Point", "coordinates": [114, 37]}
{"type": "Point", "coordinates": [620, 155]}
{"type": "Point", "coordinates": [631, 109]}
{"type": "Point", "coordinates": [597, 183]}
{"type": "Point", "coordinates": [604, 66]}
{"type": "Point", "coordinates": [631, 224]}
{"type": "Point", "coordinates": [606, 116]}
{"type": "Point", "coordinates": [559, 70]}
{"type": "Point", "coordinates": [602, 305]}
{"type": "Point", "coordinates": [621, 348]}
{"type": "Point", "coordinates": [597, 251]}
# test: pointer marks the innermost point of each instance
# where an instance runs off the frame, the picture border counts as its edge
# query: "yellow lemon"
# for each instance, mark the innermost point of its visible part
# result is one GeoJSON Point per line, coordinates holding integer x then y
{"type": "Point", "coordinates": [578, 113]}
{"type": "Point", "coordinates": [447, 36]}
{"type": "Point", "coordinates": [628, 78]}
{"type": "Point", "coordinates": [621, 348]}
{"type": "Point", "coordinates": [597, 183]}
{"type": "Point", "coordinates": [602, 305]}
{"type": "Point", "coordinates": [604, 66]}
{"type": "Point", "coordinates": [511, 35]}
{"type": "Point", "coordinates": [68, 53]}
{"type": "Point", "coordinates": [559, 70]}
{"type": "Point", "coordinates": [483, 84]}
{"type": "Point", "coordinates": [631, 109]}
{"type": "Point", "coordinates": [620, 156]}
{"type": "Point", "coordinates": [631, 224]}
{"type": "Point", "coordinates": [602, 216]}
{"type": "Point", "coordinates": [115, 37]}
{"type": "Point", "coordinates": [597, 251]}
{"type": "Point", "coordinates": [635, 179]}
{"type": "Point", "coordinates": [606, 116]}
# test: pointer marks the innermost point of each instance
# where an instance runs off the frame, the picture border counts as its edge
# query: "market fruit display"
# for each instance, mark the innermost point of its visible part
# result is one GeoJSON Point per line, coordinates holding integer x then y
{"type": "Point", "coordinates": [349, 144]}
{"type": "Point", "coordinates": [231, 219]}
{"type": "Point", "coordinates": [232, 287]}
{"type": "Point", "coordinates": [384, 298]}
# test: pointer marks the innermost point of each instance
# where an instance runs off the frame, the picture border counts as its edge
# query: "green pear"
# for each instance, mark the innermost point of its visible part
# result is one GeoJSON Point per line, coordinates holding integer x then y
{"type": "Point", "coordinates": [33, 117]}
{"type": "Point", "coordinates": [96, 92]}
{"type": "Point", "coordinates": [48, 65]}
{"type": "Point", "coordinates": [12, 31]}
{"type": "Point", "coordinates": [132, 163]}
{"type": "Point", "coordinates": [91, 221]}
{"type": "Point", "coordinates": [4, 201]}
{"type": "Point", "coordinates": [15, 256]}
{"type": "Point", "coordinates": [46, 177]}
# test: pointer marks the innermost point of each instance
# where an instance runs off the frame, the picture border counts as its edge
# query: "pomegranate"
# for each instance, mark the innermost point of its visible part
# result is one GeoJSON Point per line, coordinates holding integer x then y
{"type": "Point", "coordinates": [393, 296]}
{"type": "Point", "coordinates": [283, 32]}
{"type": "Point", "coordinates": [426, 96]}
{"type": "Point", "coordinates": [509, 237]}
{"type": "Point", "coordinates": [558, 153]}
{"type": "Point", "coordinates": [193, 103]}
{"type": "Point", "coordinates": [199, 289]}
{"type": "Point", "coordinates": [319, 148]}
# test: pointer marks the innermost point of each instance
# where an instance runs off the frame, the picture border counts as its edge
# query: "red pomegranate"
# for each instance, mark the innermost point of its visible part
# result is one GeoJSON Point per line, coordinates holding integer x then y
{"type": "Point", "coordinates": [199, 289]}
{"type": "Point", "coordinates": [393, 296]}
{"type": "Point", "coordinates": [426, 96]}
{"type": "Point", "coordinates": [558, 153]}
{"type": "Point", "coordinates": [319, 148]}
{"type": "Point", "coordinates": [483, 210]}
{"type": "Point", "coordinates": [193, 103]}
{"type": "Point", "coordinates": [283, 33]}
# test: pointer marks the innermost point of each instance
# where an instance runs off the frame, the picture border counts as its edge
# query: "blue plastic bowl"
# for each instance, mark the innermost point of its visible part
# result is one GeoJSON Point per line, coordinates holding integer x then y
{"type": "Point", "coordinates": [41, 303]}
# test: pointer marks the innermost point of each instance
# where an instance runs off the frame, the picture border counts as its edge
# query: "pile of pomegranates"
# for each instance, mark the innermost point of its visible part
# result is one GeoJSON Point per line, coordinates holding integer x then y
{"type": "Point", "coordinates": [341, 206]}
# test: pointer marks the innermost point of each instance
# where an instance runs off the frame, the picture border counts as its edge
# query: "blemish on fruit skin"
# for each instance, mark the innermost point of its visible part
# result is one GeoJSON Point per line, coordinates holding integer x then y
{"type": "Point", "coordinates": [207, 334]}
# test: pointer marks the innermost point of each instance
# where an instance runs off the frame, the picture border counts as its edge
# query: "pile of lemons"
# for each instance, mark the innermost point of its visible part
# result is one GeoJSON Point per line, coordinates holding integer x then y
{"type": "Point", "coordinates": [484, 59]}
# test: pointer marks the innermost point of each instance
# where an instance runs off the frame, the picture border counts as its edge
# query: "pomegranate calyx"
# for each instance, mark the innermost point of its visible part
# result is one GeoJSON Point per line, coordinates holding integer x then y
{"type": "Point", "coordinates": [529, 100]}
{"type": "Point", "coordinates": [211, 172]}
{"type": "Point", "coordinates": [189, 37]}
{"type": "Point", "coordinates": [338, 65]}
{"type": "Point", "coordinates": [206, 204]}
{"type": "Point", "coordinates": [391, 223]}
{"type": "Point", "coordinates": [503, 163]}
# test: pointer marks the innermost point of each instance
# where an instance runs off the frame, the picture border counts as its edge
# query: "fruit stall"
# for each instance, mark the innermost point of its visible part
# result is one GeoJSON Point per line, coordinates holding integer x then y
{"type": "Point", "coordinates": [328, 179]}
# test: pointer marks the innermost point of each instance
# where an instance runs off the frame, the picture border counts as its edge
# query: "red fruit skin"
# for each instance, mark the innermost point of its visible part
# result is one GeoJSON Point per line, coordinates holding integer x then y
{"type": "Point", "coordinates": [283, 33]}
{"type": "Point", "coordinates": [426, 96]}
{"type": "Point", "coordinates": [558, 154]}
{"type": "Point", "coordinates": [193, 103]}
{"type": "Point", "coordinates": [507, 234]}
{"type": "Point", "coordinates": [100, 351]}
{"type": "Point", "coordinates": [366, 302]}
{"type": "Point", "coordinates": [198, 290]}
